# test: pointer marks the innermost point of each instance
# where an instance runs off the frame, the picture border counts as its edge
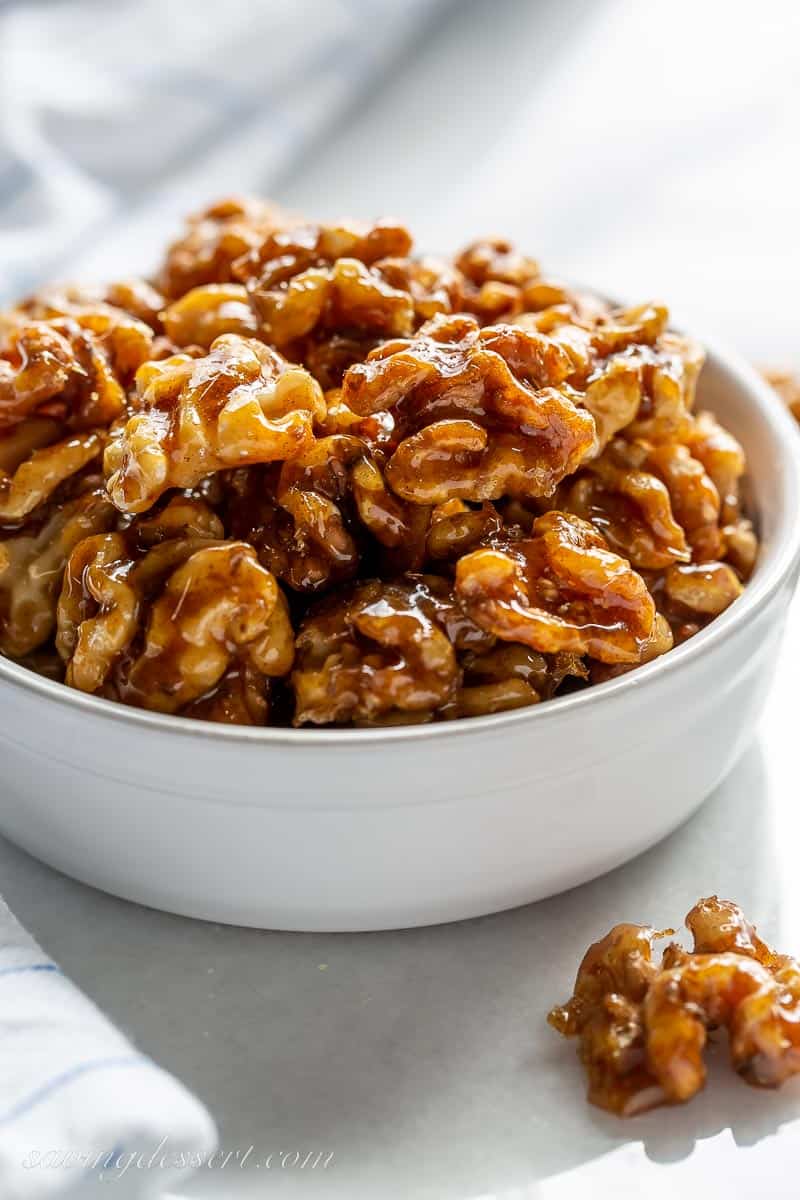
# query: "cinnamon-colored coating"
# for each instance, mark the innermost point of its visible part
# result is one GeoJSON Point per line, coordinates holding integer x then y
{"type": "Point", "coordinates": [643, 1025]}
{"type": "Point", "coordinates": [305, 474]}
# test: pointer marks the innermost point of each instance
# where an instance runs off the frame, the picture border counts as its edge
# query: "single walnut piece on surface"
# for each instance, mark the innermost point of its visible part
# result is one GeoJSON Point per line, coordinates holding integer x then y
{"type": "Point", "coordinates": [560, 590]}
{"type": "Point", "coordinates": [643, 1025]}
{"type": "Point", "coordinates": [478, 413]}
{"type": "Point", "coordinates": [240, 404]}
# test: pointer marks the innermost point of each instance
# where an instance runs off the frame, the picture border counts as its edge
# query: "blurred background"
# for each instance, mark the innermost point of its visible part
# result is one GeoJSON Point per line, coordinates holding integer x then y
{"type": "Point", "coordinates": [648, 149]}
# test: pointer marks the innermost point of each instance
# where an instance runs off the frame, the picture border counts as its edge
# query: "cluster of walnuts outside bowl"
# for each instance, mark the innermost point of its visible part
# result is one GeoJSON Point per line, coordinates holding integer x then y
{"type": "Point", "coordinates": [343, 588]}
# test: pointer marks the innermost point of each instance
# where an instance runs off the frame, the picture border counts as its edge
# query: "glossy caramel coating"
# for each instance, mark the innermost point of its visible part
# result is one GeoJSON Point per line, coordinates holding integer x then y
{"type": "Point", "coordinates": [32, 563]}
{"type": "Point", "coordinates": [643, 1025]}
{"type": "Point", "coordinates": [241, 403]}
{"type": "Point", "coordinates": [460, 486]}
{"type": "Point", "coordinates": [380, 652]}
{"type": "Point", "coordinates": [213, 241]}
{"type": "Point", "coordinates": [478, 412]}
{"type": "Point", "coordinates": [561, 590]}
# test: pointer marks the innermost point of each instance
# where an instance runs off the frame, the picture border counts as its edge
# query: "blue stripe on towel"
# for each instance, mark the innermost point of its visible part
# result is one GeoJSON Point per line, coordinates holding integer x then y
{"type": "Point", "coordinates": [30, 967]}
{"type": "Point", "coordinates": [47, 1089]}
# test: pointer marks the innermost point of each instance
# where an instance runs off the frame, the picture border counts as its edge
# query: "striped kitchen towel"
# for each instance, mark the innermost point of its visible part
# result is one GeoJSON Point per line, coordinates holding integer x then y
{"type": "Point", "coordinates": [80, 1107]}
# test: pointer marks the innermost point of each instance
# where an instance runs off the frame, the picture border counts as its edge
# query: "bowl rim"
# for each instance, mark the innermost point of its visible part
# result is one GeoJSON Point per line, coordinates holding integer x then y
{"type": "Point", "coordinates": [771, 574]}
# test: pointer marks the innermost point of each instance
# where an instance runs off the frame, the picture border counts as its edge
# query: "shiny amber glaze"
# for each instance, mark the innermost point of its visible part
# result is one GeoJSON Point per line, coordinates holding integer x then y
{"type": "Point", "coordinates": [642, 1025]}
{"type": "Point", "coordinates": [303, 475]}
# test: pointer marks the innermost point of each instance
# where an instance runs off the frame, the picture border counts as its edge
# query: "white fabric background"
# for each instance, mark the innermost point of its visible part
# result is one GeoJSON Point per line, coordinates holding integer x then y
{"type": "Point", "coordinates": [649, 148]}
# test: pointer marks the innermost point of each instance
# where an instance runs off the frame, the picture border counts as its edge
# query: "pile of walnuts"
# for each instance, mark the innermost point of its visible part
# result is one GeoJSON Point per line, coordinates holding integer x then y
{"type": "Point", "coordinates": [303, 476]}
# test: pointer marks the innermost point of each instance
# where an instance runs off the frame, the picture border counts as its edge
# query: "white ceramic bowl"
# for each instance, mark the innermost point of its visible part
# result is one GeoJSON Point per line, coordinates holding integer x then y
{"type": "Point", "coordinates": [374, 829]}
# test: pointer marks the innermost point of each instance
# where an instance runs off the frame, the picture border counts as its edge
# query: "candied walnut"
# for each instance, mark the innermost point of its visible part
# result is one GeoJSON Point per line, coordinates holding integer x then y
{"type": "Point", "coordinates": [605, 1013]}
{"type": "Point", "coordinates": [623, 328]}
{"type": "Point", "coordinates": [300, 533]}
{"type": "Point", "coordinates": [318, 279]}
{"type": "Point", "coordinates": [643, 1026]}
{"type": "Point", "coordinates": [720, 927]}
{"type": "Point", "coordinates": [97, 573]}
{"type": "Point", "coordinates": [660, 641]}
{"type": "Point", "coordinates": [759, 1008]}
{"type": "Point", "coordinates": [669, 373]}
{"type": "Point", "coordinates": [205, 313]}
{"type": "Point", "coordinates": [613, 395]}
{"type": "Point", "coordinates": [329, 357]}
{"type": "Point", "coordinates": [629, 505]}
{"type": "Point", "coordinates": [721, 456]}
{"type": "Point", "coordinates": [35, 479]}
{"type": "Point", "coordinates": [560, 590]}
{"type": "Point", "coordinates": [286, 252]}
{"type": "Point", "coordinates": [110, 578]}
{"type": "Point", "coordinates": [135, 297]}
{"type": "Point", "coordinates": [741, 547]}
{"type": "Point", "coordinates": [220, 605]}
{"type": "Point", "coordinates": [509, 676]}
{"type": "Point", "coordinates": [695, 500]}
{"type": "Point", "coordinates": [379, 651]}
{"type": "Point", "coordinates": [495, 278]}
{"type": "Point", "coordinates": [478, 413]}
{"type": "Point", "coordinates": [20, 441]}
{"type": "Point", "coordinates": [434, 287]}
{"type": "Point", "coordinates": [32, 564]}
{"type": "Point", "coordinates": [307, 524]}
{"type": "Point", "coordinates": [617, 346]}
{"type": "Point", "coordinates": [117, 342]}
{"type": "Point", "coordinates": [139, 298]}
{"type": "Point", "coordinates": [242, 403]}
{"type": "Point", "coordinates": [242, 697]}
{"type": "Point", "coordinates": [706, 588]}
{"type": "Point", "coordinates": [69, 361]}
{"type": "Point", "coordinates": [787, 385]}
{"type": "Point", "coordinates": [344, 296]}
{"type": "Point", "coordinates": [455, 529]}
{"type": "Point", "coordinates": [214, 240]}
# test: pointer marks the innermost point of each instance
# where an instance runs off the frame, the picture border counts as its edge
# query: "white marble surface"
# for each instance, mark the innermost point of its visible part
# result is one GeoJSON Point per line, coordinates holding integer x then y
{"type": "Point", "coordinates": [422, 1058]}
{"type": "Point", "coordinates": [650, 149]}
